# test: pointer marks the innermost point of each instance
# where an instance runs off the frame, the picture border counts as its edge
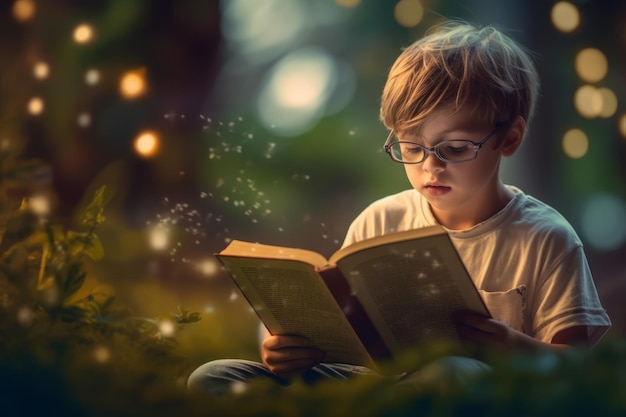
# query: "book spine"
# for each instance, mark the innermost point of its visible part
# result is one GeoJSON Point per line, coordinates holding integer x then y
{"type": "Point", "coordinates": [355, 313]}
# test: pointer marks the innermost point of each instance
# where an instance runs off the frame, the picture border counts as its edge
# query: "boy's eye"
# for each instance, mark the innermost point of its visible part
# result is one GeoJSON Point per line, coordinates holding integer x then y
{"type": "Point", "coordinates": [413, 149]}
{"type": "Point", "coordinates": [455, 146]}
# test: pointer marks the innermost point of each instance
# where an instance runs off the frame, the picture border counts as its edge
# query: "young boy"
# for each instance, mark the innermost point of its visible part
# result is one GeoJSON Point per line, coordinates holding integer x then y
{"type": "Point", "coordinates": [456, 102]}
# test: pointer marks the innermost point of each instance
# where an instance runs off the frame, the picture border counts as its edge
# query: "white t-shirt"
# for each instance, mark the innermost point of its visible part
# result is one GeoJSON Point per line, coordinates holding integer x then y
{"type": "Point", "coordinates": [526, 261]}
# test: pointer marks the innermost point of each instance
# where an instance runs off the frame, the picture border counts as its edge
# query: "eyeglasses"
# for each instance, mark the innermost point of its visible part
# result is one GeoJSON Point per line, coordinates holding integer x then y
{"type": "Point", "coordinates": [457, 150]}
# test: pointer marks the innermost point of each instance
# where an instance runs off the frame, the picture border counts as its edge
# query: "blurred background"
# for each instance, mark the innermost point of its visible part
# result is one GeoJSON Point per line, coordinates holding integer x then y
{"type": "Point", "coordinates": [258, 120]}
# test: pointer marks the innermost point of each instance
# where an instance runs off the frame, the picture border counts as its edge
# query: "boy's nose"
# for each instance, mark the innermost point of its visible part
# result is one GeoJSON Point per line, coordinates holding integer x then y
{"type": "Point", "coordinates": [432, 163]}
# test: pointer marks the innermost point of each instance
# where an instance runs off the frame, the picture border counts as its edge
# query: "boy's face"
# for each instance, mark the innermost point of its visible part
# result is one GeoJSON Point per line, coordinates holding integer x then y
{"type": "Point", "coordinates": [460, 194]}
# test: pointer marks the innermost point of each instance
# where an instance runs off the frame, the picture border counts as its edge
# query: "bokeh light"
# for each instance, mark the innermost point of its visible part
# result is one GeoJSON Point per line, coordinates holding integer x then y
{"type": "Point", "coordinates": [102, 354]}
{"type": "Point", "coordinates": [348, 3]}
{"type": "Point", "coordinates": [41, 70]}
{"type": "Point", "coordinates": [83, 33]}
{"type": "Point", "coordinates": [146, 144]}
{"type": "Point", "coordinates": [296, 91]}
{"type": "Point", "coordinates": [159, 237]}
{"type": "Point", "coordinates": [565, 16]}
{"type": "Point", "coordinates": [132, 84]}
{"type": "Point", "coordinates": [408, 13]}
{"type": "Point", "coordinates": [39, 205]}
{"type": "Point", "coordinates": [621, 125]}
{"type": "Point", "coordinates": [575, 143]}
{"type": "Point", "coordinates": [24, 10]}
{"type": "Point", "coordinates": [209, 267]}
{"type": "Point", "coordinates": [35, 106]}
{"type": "Point", "coordinates": [591, 65]}
{"type": "Point", "coordinates": [588, 101]}
{"type": "Point", "coordinates": [603, 224]}
{"type": "Point", "coordinates": [167, 328]}
{"type": "Point", "coordinates": [609, 102]}
{"type": "Point", "coordinates": [261, 30]}
{"type": "Point", "coordinates": [83, 119]}
{"type": "Point", "coordinates": [92, 77]}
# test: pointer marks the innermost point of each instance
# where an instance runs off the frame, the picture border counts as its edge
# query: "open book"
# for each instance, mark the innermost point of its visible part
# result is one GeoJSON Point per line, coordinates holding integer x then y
{"type": "Point", "coordinates": [369, 302]}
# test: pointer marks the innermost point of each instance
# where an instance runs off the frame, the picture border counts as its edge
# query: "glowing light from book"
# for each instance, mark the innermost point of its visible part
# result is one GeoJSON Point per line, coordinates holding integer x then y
{"type": "Point", "coordinates": [348, 3]}
{"type": "Point", "coordinates": [588, 101]}
{"type": "Point", "coordinates": [24, 10]}
{"type": "Point", "coordinates": [602, 222]}
{"type": "Point", "coordinates": [146, 144]}
{"type": "Point", "coordinates": [35, 106]}
{"type": "Point", "coordinates": [167, 328]}
{"type": "Point", "coordinates": [132, 84]}
{"type": "Point", "coordinates": [83, 120]}
{"type": "Point", "coordinates": [575, 143]}
{"type": "Point", "coordinates": [408, 13]}
{"type": "Point", "coordinates": [92, 77]}
{"type": "Point", "coordinates": [565, 16]}
{"type": "Point", "coordinates": [591, 65]}
{"type": "Point", "coordinates": [83, 33]}
{"type": "Point", "coordinates": [41, 70]}
{"type": "Point", "coordinates": [159, 237]}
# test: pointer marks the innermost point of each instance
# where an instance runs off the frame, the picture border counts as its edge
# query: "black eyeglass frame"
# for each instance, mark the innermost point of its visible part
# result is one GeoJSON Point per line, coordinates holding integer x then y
{"type": "Point", "coordinates": [435, 149]}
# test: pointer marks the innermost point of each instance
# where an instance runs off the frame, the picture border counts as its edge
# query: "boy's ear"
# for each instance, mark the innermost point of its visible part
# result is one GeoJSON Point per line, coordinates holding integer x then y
{"type": "Point", "coordinates": [513, 136]}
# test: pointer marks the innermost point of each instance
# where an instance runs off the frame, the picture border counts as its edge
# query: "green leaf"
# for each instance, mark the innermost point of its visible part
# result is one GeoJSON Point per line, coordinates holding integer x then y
{"type": "Point", "coordinates": [92, 214]}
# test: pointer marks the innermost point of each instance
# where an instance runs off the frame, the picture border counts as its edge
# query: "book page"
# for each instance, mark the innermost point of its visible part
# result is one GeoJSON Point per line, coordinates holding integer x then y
{"type": "Point", "coordinates": [291, 298]}
{"type": "Point", "coordinates": [258, 250]}
{"type": "Point", "coordinates": [411, 288]}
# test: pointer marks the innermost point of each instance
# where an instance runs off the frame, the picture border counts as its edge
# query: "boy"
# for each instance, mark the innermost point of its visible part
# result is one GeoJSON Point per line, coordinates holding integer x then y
{"type": "Point", "coordinates": [456, 102]}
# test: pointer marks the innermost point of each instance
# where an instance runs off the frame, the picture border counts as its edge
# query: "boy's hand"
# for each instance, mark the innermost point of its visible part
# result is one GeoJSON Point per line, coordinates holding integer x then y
{"type": "Point", "coordinates": [288, 356]}
{"type": "Point", "coordinates": [484, 331]}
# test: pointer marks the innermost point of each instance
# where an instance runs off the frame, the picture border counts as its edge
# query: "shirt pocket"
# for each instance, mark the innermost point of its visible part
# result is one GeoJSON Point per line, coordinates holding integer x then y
{"type": "Point", "coordinates": [507, 306]}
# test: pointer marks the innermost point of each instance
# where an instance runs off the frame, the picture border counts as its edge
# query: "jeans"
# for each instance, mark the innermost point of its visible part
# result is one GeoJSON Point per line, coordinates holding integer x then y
{"type": "Point", "coordinates": [220, 377]}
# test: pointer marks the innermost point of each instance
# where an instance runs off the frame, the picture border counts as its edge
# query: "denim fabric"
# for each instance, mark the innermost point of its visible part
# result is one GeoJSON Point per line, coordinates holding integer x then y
{"type": "Point", "coordinates": [220, 376]}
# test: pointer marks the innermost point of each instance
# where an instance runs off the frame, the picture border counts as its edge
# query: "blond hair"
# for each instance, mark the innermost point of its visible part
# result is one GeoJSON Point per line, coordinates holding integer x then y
{"type": "Point", "coordinates": [454, 64]}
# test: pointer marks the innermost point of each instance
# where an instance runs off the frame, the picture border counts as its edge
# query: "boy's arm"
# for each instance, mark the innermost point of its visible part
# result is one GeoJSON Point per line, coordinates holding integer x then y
{"type": "Point", "coordinates": [489, 332]}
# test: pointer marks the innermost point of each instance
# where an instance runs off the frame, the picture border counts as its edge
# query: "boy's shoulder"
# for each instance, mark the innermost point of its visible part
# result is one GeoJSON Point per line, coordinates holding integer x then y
{"type": "Point", "coordinates": [539, 219]}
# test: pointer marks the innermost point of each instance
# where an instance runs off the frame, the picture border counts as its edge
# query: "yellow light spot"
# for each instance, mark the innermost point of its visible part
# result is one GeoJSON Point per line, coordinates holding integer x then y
{"type": "Point", "coordinates": [609, 102]}
{"type": "Point", "coordinates": [621, 125]}
{"type": "Point", "coordinates": [348, 3]}
{"type": "Point", "coordinates": [132, 84]}
{"type": "Point", "coordinates": [92, 77]}
{"type": "Point", "coordinates": [147, 144]}
{"type": "Point", "coordinates": [102, 354]}
{"type": "Point", "coordinates": [408, 13]}
{"type": "Point", "coordinates": [24, 10]}
{"type": "Point", "coordinates": [25, 316]}
{"type": "Point", "coordinates": [41, 70]}
{"type": "Point", "coordinates": [35, 106]}
{"type": "Point", "coordinates": [39, 205]}
{"type": "Point", "coordinates": [83, 33]}
{"type": "Point", "coordinates": [591, 65]}
{"type": "Point", "coordinates": [84, 119]}
{"type": "Point", "coordinates": [565, 16]}
{"type": "Point", "coordinates": [159, 237]}
{"type": "Point", "coordinates": [575, 143]}
{"type": "Point", "coordinates": [208, 267]}
{"type": "Point", "coordinates": [167, 328]}
{"type": "Point", "coordinates": [588, 101]}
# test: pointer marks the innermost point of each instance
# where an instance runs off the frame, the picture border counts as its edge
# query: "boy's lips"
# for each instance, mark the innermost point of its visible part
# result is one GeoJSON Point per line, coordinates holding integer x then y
{"type": "Point", "coordinates": [435, 188]}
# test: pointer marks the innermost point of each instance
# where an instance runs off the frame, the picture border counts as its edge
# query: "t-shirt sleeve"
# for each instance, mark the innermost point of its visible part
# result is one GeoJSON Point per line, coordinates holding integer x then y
{"type": "Point", "coordinates": [567, 297]}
